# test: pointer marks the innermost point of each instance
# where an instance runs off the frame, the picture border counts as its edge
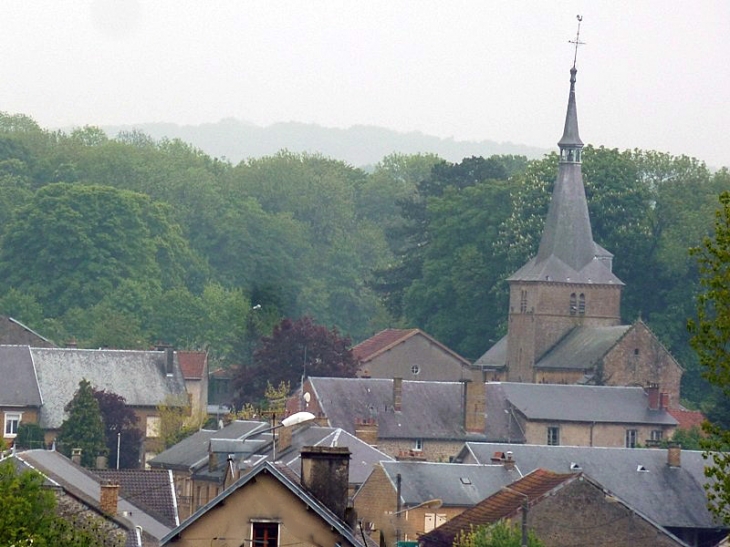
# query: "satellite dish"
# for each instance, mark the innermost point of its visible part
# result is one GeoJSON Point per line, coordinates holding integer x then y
{"type": "Point", "coordinates": [307, 397]}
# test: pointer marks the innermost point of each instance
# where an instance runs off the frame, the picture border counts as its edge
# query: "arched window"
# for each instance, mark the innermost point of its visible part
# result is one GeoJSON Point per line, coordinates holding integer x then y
{"type": "Point", "coordinates": [573, 304]}
{"type": "Point", "coordinates": [523, 301]}
{"type": "Point", "coordinates": [582, 304]}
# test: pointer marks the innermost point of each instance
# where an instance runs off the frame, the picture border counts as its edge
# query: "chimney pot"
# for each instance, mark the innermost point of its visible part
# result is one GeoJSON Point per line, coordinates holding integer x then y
{"type": "Point", "coordinates": [76, 455]}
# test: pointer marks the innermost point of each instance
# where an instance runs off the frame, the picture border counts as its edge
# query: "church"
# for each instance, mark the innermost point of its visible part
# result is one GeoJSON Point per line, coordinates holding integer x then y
{"type": "Point", "coordinates": [564, 320]}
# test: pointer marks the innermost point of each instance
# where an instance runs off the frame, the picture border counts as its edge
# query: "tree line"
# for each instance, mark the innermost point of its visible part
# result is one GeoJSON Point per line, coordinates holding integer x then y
{"type": "Point", "coordinates": [128, 241]}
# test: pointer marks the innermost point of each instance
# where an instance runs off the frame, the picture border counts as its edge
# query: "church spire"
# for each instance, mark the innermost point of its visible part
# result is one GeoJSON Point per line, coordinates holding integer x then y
{"type": "Point", "coordinates": [567, 252]}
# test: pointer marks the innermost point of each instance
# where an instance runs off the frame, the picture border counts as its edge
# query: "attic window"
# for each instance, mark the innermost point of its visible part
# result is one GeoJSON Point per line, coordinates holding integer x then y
{"type": "Point", "coordinates": [575, 466]}
{"type": "Point", "coordinates": [415, 369]}
{"type": "Point", "coordinates": [465, 480]}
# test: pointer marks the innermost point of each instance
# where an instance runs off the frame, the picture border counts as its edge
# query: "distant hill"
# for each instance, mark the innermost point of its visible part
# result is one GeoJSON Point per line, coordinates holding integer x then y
{"type": "Point", "coordinates": [359, 145]}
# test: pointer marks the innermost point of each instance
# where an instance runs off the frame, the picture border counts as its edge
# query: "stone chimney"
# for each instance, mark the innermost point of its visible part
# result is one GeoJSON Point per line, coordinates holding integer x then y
{"type": "Point", "coordinates": [397, 394]}
{"type": "Point", "coordinates": [475, 406]}
{"type": "Point", "coordinates": [109, 498]}
{"type": "Point", "coordinates": [326, 474]}
{"type": "Point", "coordinates": [76, 456]}
{"type": "Point", "coordinates": [674, 455]}
{"type": "Point", "coordinates": [509, 462]}
{"type": "Point", "coordinates": [366, 430]}
{"type": "Point", "coordinates": [283, 438]}
{"type": "Point", "coordinates": [652, 391]}
{"type": "Point", "coordinates": [101, 462]}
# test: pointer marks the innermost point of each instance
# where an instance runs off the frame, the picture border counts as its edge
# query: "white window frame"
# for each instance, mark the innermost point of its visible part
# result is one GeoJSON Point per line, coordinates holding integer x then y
{"type": "Point", "coordinates": [418, 445]}
{"type": "Point", "coordinates": [632, 436]}
{"type": "Point", "coordinates": [553, 434]}
{"type": "Point", "coordinates": [12, 418]}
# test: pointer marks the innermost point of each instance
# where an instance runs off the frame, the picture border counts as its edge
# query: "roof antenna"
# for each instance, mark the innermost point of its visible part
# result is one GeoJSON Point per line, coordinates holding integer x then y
{"type": "Point", "coordinates": [577, 41]}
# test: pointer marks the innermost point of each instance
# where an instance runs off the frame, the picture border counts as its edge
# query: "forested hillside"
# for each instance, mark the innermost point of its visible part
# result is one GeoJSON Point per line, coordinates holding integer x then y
{"type": "Point", "coordinates": [129, 241]}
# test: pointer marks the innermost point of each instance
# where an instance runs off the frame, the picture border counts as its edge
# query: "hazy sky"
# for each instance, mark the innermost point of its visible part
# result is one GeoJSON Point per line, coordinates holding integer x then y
{"type": "Point", "coordinates": [652, 75]}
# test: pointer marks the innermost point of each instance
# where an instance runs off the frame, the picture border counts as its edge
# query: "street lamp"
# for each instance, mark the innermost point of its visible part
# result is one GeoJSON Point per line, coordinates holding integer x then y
{"type": "Point", "coordinates": [525, 508]}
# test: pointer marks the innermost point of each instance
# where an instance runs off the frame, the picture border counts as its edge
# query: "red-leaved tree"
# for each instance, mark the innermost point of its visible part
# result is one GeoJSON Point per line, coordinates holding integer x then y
{"type": "Point", "coordinates": [296, 349]}
{"type": "Point", "coordinates": [119, 418]}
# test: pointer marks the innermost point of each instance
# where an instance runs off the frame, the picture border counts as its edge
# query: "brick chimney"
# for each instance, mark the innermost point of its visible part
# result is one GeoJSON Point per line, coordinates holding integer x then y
{"type": "Point", "coordinates": [109, 498]}
{"type": "Point", "coordinates": [366, 429]}
{"type": "Point", "coordinates": [326, 474]}
{"type": "Point", "coordinates": [283, 438]}
{"type": "Point", "coordinates": [475, 406]}
{"type": "Point", "coordinates": [397, 394]}
{"type": "Point", "coordinates": [674, 455]}
{"type": "Point", "coordinates": [652, 391]}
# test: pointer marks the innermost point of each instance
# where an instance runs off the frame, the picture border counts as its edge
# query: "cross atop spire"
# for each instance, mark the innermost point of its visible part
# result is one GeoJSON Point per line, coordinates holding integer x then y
{"type": "Point", "coordinates": [577, 41]}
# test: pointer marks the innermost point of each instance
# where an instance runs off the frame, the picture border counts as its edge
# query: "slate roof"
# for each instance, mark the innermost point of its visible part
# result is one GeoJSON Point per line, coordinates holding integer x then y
{"type": "Point", "coordinates": [582, 348]}
{"type": "Point", "coordinates": [192, 451]}
{"type": "Point", "coordinates": [192, 364]}
{"type": "Point", "coordinates": [138, 376]}
{"type": "Point", "coordinates": [502, 504]}
{"type": "Point", "coordinates": [286, 479]}
{"type": "Point", "coordinates": [16, 363]}
{"type": "Point", "coordinates": [87, 486]}
{"type": "Point", "coordinates": [387, 339]}
{"type": "Point", "coordinates": [429, 410]}
{"type": "Point", "coordinates": [152, 490]}
{"type": "Point", "coordinates": [495, 357]}
{"type": "Point", "coordinates": [672, 497]}
{"type": "Point", "coordinates": [579, 403]}
{"type": "Point", "coordinates": [456, 485]}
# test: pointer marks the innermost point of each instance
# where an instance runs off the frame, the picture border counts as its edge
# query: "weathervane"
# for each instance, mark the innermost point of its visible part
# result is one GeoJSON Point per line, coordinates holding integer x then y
{"type": "Point", "coordinates": [577, 41]}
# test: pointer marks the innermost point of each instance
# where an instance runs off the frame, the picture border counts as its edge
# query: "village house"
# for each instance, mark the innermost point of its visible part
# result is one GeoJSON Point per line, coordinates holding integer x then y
{"type": "Point", "coordinates": [577, 415]}
{"type": "Point", "coordinates": [401, 417]}
{"type": "Point", "coordinates": [666, 486]}
{"type": "Point", "coordinates": [403, 499]}
{"type": "Point", "coordinates": [410, 354]}
{"type": "Point", "coordinates": [560, 509]}
{"type": "Point", "coordinates": [271, 506]}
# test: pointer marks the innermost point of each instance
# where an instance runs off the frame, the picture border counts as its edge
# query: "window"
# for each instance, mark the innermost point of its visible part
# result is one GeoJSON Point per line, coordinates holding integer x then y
{"type": "Point", "coordinates": [630, 438]}
{"type": "Point", "coordinates": [573, 304]}
{"type": "Point", "coordinates": [582, 304]}
{"type": "Point", "coordinates": [523, 301]}
{"type": "Point", "coordinates": [433, 520]}
{"type": "Point", "coordinates": [657, 434]}
{"type": "Point", "coordinates": [553, 436]}
{"type": "Point", "coordinates": [415, 369]}
{"type": "Point", "coordinates": [418, 445]}
{"type": "Point", "coordinates": [265, 534]}
{"type": "Point", "coordinates": [12, 421]}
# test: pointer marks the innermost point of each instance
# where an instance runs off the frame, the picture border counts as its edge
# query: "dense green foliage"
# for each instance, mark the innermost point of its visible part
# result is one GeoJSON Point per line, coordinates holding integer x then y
{"type": "Point", "coordinates": [28, 516]}
{"type": "Point", "coordinates": [500, 534]}
{"type": "Point", "coordinates": [711, 340]}
{"type": "Point", "coordinates": [127, 242]}
{"type": "Point", "coordinates": [84, 427]}
{"type": "Point", "coordinates": [121, 429]}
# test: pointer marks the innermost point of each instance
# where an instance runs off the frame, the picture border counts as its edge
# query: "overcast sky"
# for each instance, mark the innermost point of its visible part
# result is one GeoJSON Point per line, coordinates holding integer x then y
{"type": "Point", "coordinates": [652, 75]}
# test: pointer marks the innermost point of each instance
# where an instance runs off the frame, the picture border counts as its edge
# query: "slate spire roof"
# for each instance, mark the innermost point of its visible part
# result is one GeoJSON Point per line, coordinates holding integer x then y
{"type": "Point", "coordinates": [567, 252]}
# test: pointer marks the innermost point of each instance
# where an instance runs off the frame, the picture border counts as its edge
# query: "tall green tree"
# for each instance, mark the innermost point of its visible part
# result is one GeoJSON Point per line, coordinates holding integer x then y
{"type": "Point", "coordinates": [84, 427]}
{"type": "Point", "coordinates": [711, 340]}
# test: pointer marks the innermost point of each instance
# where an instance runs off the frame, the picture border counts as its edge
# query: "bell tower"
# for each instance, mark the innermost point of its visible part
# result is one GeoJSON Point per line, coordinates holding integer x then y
{"type": "Point", "coordinates": [569, 282]}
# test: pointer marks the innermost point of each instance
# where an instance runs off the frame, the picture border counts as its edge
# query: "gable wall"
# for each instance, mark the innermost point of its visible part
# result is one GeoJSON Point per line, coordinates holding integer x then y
{"type": "Point", "coordinates": [433, 362]}
{"type": "Point", "coordinates": [263, 498]}
{"type": "Point", "coordinates": [580, 514]}
{"type": "Point", "coordinates": [623, 366]}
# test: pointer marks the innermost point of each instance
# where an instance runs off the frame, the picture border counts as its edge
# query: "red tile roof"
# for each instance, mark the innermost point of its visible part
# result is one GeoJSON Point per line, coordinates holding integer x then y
{"type": "Point", "coordinates": [687, 418]}
{"type": "Point", "coordinates": [192, 364]}
{"type": "Point", "coordinates": [384, 339]}
{"type": "Point", "coordinates": [503, 504]}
